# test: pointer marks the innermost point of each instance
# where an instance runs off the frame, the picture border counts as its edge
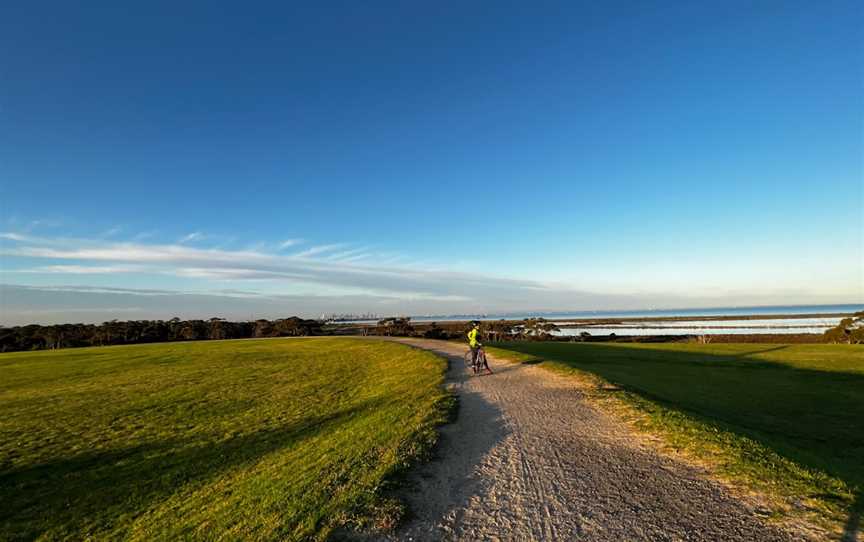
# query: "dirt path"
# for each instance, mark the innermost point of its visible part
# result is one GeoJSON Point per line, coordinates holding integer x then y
{"type": "Point", "coordinates": [530, 459]}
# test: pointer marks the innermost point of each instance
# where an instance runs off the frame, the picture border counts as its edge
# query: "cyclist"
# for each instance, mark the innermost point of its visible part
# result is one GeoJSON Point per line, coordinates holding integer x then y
{"type": "Point", "coordinates": [473, 342]}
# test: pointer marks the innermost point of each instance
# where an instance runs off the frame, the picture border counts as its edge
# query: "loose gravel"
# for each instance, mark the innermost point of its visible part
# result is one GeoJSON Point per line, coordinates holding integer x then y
{"type": "Point", "coordinates": [530, 458]}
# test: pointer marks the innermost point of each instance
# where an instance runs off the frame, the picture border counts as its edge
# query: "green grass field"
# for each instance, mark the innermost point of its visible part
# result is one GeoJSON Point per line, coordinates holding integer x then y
{"type": "Point", "coordinates": [789, 418]}
{"type": "Point", "coordinates": [253, 439]}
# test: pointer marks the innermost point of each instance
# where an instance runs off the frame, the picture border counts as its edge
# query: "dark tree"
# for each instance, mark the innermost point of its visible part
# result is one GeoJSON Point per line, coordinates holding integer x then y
{"type": "Point", "coordinates": [848, 331]}
{"type": "Point", "coordinates": [395, 327]}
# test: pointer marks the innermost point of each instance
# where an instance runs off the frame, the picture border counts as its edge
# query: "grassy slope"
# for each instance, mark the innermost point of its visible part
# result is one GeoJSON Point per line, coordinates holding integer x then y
{"type": "Point", "coordinates": [266, 439]}
{"type": "Point", "coordinates": [786, 419]}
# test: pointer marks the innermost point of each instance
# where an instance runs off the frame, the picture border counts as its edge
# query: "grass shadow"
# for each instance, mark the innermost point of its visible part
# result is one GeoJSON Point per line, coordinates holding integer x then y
{"type": "Point", "coordinates": [447, 483]}
{"type": "Point", "coordinates": [852, 528]}
{"type": "Point", "coordinates": [754, 352]}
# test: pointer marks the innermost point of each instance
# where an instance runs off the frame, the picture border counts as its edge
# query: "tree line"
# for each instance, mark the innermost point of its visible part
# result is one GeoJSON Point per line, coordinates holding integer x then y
{"type": "Point", "coordinates": [50, 337]}
{"type": "Point", "coordinates": [494, 330]}
{"type": "Point", "coordinates": [38, 337]}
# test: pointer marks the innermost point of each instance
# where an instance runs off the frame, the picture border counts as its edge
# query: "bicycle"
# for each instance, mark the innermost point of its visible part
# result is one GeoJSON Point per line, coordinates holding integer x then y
{"type": "Point", "coordinates": [477, 364]}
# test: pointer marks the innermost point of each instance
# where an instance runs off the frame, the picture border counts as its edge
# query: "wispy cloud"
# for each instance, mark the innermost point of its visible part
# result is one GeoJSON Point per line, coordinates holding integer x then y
{"type": "Point", "coordinates": [16, 237]}
{"type": "Point", "coordinates": [330, 266]}
{"type": "Point", "coordinates": [87, 269]}
{"type": "Point", "coordinates": [287, 243]}
{"type": "Point", "coordinates": [111, 232]}
{"type": "Point", "coordinates": [236, 273]}
{"type": "Point", "coordinates": [313, 251]}
{"type": "Point", "coordinates": [337, 271]}
{"type": "Point", "coordinates": [194, 236]}
{"type": "Point", "coordinates": [143, 235]}
{"type": "Point", "coordinates": [348, 255]}
{"type": "Point", "coordinates": [356, 258]}
{"type": "Point", "coordinates": [28, 226]}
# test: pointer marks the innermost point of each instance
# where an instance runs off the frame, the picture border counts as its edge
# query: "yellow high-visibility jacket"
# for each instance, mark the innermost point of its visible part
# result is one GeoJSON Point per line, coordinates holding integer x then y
{"type": "Point", "coordinates": [472, 338]}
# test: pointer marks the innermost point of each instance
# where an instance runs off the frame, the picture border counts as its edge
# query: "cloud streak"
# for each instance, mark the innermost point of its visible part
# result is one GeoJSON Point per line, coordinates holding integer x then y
{"type": "Point", "coordinates": [194, 236]}
{"type": "Point", "coordinates": [10, 236]}
{"type": "Point", "coordinates": [314, 251]}
{"type": "Point", "coordinates": [336, 266]}
{"type": "Point", "coordinates": [87, 269]}
{"type": "Point", "coordinates": [112, 231]}
{"type": "Point", "coordinates": [326, 269]}
{"type": "Point", "coordinates": [287, 243]}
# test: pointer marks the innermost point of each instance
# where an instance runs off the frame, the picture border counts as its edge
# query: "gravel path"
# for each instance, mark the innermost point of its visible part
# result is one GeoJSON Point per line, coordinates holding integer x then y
{"type": "Point", "coordinates": [530, 459]}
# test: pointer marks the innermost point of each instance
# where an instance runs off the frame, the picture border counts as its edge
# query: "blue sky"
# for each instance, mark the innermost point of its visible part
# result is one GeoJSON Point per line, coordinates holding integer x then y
{"type": "Point", "coordinates": [253, 159]}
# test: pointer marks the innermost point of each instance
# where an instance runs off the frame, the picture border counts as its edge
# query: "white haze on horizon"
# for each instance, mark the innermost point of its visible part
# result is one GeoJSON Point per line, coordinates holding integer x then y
{"type": "Point", "coordinates": [56, 279]}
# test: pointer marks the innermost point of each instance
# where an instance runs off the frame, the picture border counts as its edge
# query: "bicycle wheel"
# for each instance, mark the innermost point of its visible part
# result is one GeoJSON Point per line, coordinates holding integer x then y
{"type": "Point", "coordinates": [478, 361]}
{"type": "Point", "coordinates": [468, 359]}
{"type": "Point", "coordinates": [484, 362]}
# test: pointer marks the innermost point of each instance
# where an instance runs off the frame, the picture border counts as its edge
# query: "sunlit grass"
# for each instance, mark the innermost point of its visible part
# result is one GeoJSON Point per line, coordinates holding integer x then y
{"type": "Point", "coordinates": [254, 439]}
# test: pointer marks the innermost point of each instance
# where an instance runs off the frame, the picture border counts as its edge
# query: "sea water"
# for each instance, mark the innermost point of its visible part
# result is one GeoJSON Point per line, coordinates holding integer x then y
{"type": "Point", "coordinates": [689, 327]}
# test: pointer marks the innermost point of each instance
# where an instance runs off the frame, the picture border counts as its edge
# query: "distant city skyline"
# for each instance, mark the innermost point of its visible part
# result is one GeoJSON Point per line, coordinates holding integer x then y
{"type": "Point", "coordinates": [276, 159]}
